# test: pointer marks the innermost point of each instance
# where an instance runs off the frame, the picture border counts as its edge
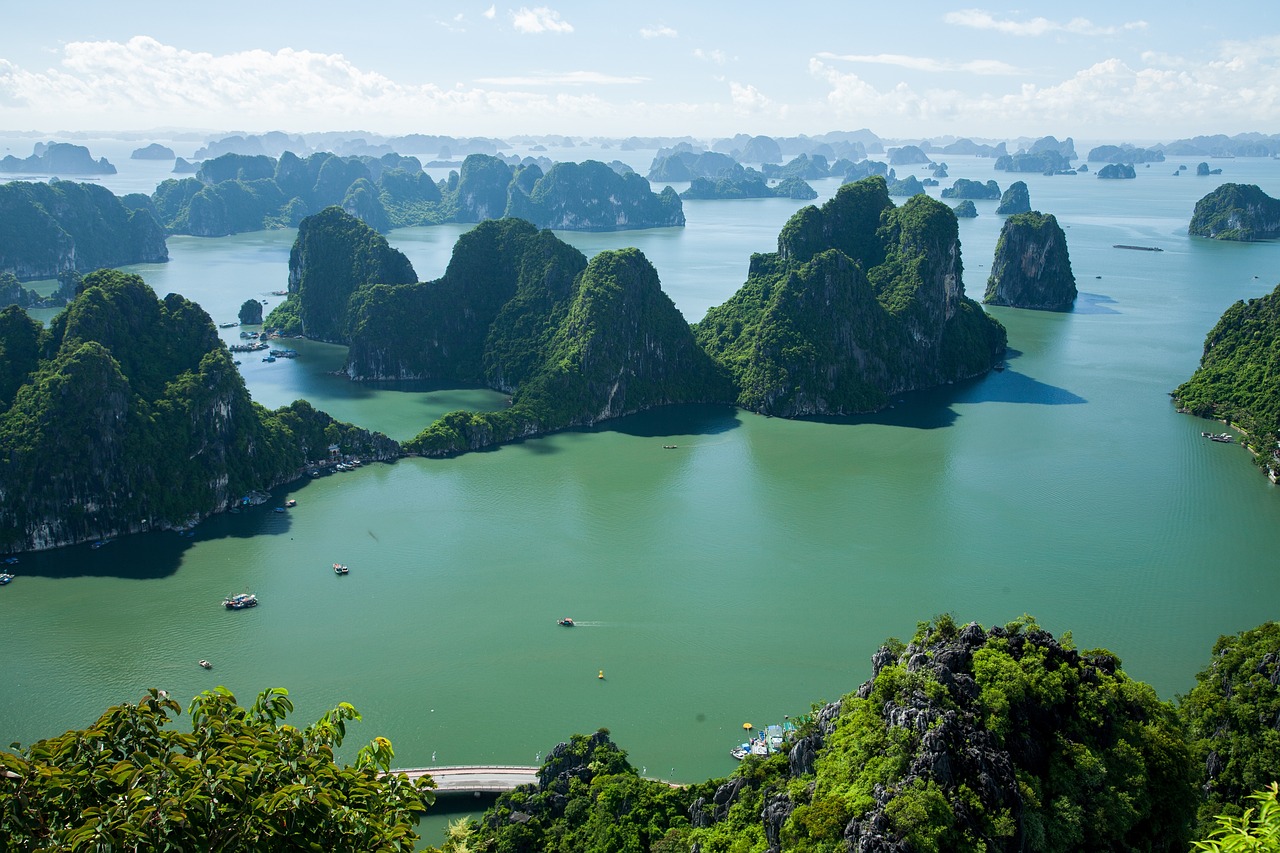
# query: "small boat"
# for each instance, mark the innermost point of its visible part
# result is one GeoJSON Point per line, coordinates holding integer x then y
{"type": "Point", "coordinates": [5, 578]}
{"type": "Point", "coordinates": [11, 561]}
{"type": "Point", "coordinates": [278, 509]}
{"type": "Point", "coordinates": [291, 503]}
{"type": "Point", "coordinates": [206, 664]}
{"type": "Point", "coordinates": [1224, 437]}
{"type": "Point", "coordinates": [670, 446]}
{"type": "Point", "coordinates": [240, 601]}
{"type": "Point", "coordinates": [340, 569]}
{"type": "Point", "coordinates": [227, 325]}
{"type": "Point", "coordinates": [566, 622]}
{"type": "Point", "coordinates": [1138, 248]}
{"type": "Point", "coordinates": [96, 545]}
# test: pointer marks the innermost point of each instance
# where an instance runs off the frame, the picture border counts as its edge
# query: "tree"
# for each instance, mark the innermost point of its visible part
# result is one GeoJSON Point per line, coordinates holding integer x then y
{"type": "Point", "coordinates": [251, 312]}
{"type": "Point", "coordinates": [240, 780]}
{"type": "Point", "coordinates": [1251, 832]}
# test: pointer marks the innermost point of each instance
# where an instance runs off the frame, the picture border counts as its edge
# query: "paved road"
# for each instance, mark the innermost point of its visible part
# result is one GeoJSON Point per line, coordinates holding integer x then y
{"type": "Point", "coordinates": [472, 779]}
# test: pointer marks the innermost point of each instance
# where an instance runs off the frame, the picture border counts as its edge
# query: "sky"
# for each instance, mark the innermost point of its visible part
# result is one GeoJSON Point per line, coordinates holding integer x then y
{"type": "Point", "coordinates": [1105, 71]}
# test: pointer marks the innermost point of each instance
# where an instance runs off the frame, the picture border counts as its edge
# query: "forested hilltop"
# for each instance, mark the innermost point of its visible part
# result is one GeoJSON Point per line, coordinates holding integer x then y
{"type": "Point", "coordinates": [862, 300]}
{"type": "Point", "coordinates": [1238, 380]}
{"type": "Point", "coordinates": [575, 343]}
{"type": "Point", "coordinates": [51, 229]}
{"type": "Point", "coordinates": [127, 414]}
{"type": "Point", "coordinates": [237, 192]}
{"type": "Point", "coordinates": [964, 740]}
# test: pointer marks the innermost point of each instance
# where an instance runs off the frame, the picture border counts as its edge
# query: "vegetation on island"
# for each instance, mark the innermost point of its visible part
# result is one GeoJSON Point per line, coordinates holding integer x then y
{"type": "Point", "coordinates": [127, 414]}
{"type": "Point", "coordinates": [237, 192]}
{"type": "Point", "coordinates": [1238, 380]}
{"type": "Point", "coordinates": [862, 300]}
{"type": "Point", "coordinates": [1032, 267]}
{"type": "Point", "coordinates": [966, 209]}
{"type": "Point", "coordinates": [241, 779]}
{"type": "Point", "coordinates": [48, 229]}
{"type": "Point", "coordinates": [749, 185]}
{"type": "Point", "coordinates": [1016, 199]}
{"type": "Point", "coordinates": [963, 739]}
{"type": "Point", "coordinates": [1117, 171]}
{"type": "Point", "coordinates": [57, 158]}
{"type": "Point", "coordinates": [1046, 161]}
{"type": "Point", "coordinates": [1241, 212]}
{"type": "Point", "coordinates": [965, 188]}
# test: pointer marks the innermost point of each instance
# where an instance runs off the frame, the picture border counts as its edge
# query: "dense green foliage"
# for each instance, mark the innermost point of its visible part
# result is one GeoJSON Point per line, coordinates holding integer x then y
{"type": "Point", "coordinates": [903, 187]}
{"type": "Point", "coordinates": [1040, 161]}
{"type": "Point", "coordinates": [521, 311]}
{"type": "Point", "coordinates": [250, 312]}
{"type": "Point", "coordinates": [1238, 379]}
{"type": "Point", "coordinates": [47, 229]}
{"type": "Point", "coordinates": [861, 301]}
{"type": "Point", "coordinates": [966, 209]}
{"type": "Point", "coordinates": [965, 188]}
{"type": "Point", "coordinates": [963, 740]}
{"type": "Point", "coordinates": [334, 254]}
{"type": "Point", "coordinates": [241, 779]}
{"type": "Point", "coordinates": [1232, 717]}
{"type": "Point", "coordinates": [1016, 199]}
{"type": "Point", "coordinates": [1255, 831]}
{"type": "Point", "coordinates": [234, 193]}
{"type": "Point", "coordinates": [1032, 266]}
{"type": "Point", "coordinates": [127, 414]}
{"type": "Point", "coordinates": [1236, 212]}
{"type": "Point", "coordinates": [1117, 171]}
{"type": "Point", "coordinates": [750, 184]}
{"type": "Point", "coordinates": [588, 799]}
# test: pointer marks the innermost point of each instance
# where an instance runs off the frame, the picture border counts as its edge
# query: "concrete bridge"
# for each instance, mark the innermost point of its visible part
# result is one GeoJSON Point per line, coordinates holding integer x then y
{"type": "Point", "coordinates": [475, 778]}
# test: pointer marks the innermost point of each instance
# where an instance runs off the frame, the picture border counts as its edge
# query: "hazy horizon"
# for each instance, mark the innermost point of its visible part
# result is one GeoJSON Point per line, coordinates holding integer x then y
{"type": "Point", "coordinates": [1136, 72]}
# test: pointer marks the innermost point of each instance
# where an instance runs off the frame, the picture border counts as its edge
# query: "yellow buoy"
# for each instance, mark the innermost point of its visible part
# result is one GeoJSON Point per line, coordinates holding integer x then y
{"type": "Point", "coordinates": [601, 675]}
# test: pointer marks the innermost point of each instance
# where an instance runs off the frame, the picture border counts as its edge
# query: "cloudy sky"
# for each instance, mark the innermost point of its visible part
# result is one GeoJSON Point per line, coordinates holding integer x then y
{"type": "Point", "coordinates": [1094, 70]}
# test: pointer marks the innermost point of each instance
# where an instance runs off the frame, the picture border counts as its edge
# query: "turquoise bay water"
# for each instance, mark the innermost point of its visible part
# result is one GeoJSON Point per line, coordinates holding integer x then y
{"type": "Point", "coordinates": [741, 576]}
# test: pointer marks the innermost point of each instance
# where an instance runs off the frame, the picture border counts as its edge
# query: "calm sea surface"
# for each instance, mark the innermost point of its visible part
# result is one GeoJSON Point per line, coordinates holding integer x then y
{"type": "Point", "coordinates": [740, 577]}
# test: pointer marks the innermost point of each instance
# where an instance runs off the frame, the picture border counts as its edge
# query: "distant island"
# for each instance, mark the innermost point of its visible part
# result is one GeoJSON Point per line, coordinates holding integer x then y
{"type": "Point", "coordinates": [965, 188]}
{"type": "Point", "coordinates": [58, 159]}
{"type": "Point", "coordinates": [50, 229]}
{"type": "Point", "coordinates": [129, 409]}
{"type": "Point", "coordinates": [1238, 380]}
{"type": "Point", "coordinates": [154, 151]}
{"type": "Point", "coordinates": [750, 185]}
{"type": "Point", "coordinates": [1031, 268]}
{"type": "Point", "coordinates": [1117, 171]}
{"type": "Point", "coordinates": [233, 193]}
{"type": "Point", "coordinates": [1016, 199]}
{"type": "Point", "coordinates": [966, 209]}
{"type": "Point", "coordinates": [1125, 154]}
{"type": "Point", "coordinates": [1240, 212]}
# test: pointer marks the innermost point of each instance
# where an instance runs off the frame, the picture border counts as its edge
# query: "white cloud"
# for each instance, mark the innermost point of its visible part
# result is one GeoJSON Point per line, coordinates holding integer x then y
{"type": "Point", "coordinates": [571, 78]}
{"type": "Point", "coordinates": [660, 31]}
{"type": "Point", "coordinates": [716, 56]}
{"type": "Point", "coordinates": [748, 99]}
{"type": "Point", "coordinates": [490, 12]}
{"type": "Point", "coordinates": [924, 63]}
{"type": "Point", "coordinates": [539, 20]}
{"type": "Point", "coordinates": [981, 20]}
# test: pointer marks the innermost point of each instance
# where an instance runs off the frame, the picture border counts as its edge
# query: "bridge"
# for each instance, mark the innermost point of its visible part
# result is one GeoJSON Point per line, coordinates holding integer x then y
{"type": "Point", "coordinates": [475, 778]}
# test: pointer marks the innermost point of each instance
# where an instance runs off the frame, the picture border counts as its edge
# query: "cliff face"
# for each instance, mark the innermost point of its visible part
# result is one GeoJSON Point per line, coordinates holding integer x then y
{"type": "Point", "coordinates": [58, 227]}
{"type": "Point", "coordinates": [1032, 268]}
{"type": "Point", "coordinates": [1236, 212]}
{"type": "Point", "coordinates": [333, 255]}
{"type": "Point", "coordinates": [863, 300]}
{"type": "Point", "coordinates": [131, 416]}
{"type": "Point", "coordinates": [1016, 199]}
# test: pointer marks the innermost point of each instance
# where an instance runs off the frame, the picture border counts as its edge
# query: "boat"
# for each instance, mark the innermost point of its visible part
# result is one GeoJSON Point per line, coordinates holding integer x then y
{"type": "Point", "coordinates": [204, 663]}
{"type": "Point", "coordinates": [240, 601]}
{"type": "Point", "coordinates": [566, 622]}
{"type": "Point", "coordinates": [741, 752]}
{"type": "Point", "coordinates": [1138, 248]}
{"type": "Point", "coordinates": [96, 545]}
{"type": "Point", "coordinates": [11, 561]}
{"type": "Point", "coordinates": [5, 577]}
{"type": "Point", "coordinates": [278, 509]}
{"type": "Point", "coordinates": [1224, 437]}
{"type": "Point", "coordinates": [227, 325]}
{"type": "Point", "coordinates": [290, 503]}
{"type": "Point", "coordinates": [670, 446]}
{"type": "Point", "coordinates": [340, 569]}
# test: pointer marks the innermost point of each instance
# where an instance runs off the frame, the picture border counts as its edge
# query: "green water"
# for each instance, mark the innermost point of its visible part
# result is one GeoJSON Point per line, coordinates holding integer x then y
{"type": "Point", "coordinates": [741, 576]}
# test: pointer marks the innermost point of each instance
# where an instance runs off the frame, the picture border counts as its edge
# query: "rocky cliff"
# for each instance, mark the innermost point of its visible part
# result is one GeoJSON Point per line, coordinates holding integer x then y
{"type": "Point", "coordinates": [862, 300]}
{"type": "Point", "coordinates": [1236, 212]}
{"type": "Point", "coordinates": [965, 188]}
{"type": "Point", "coordinates": [1016, 199]}
{"type": "Point", "coordinates": [50, 229]}
{"type": "Point", "coordinates": [57, 159]}
{"type": "Point", "coordinates": [1032, 268]}
{"type": "Point", "coordinates": [128, 415]}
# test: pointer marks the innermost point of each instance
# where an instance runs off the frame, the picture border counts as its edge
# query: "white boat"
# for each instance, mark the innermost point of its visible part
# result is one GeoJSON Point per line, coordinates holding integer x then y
{"type": "Point", "coordinates": [5, 577]}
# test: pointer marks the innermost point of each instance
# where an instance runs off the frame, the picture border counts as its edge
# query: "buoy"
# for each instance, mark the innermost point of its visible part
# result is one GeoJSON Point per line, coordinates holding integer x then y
{"type": "Point", "coordinates": [601, 675]}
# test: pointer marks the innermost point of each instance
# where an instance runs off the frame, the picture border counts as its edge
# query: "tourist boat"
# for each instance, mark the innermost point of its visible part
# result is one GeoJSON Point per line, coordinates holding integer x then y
{"type": "Point", "coordinates": [566, 622]}
{"type": "Point", "coordinates": [290, 503]}
{"type": "Point", "coordinates": [206, 664]}
{"type": "Point", "coordinates": [227, 325]}
{"type": "Point", "coordinates": [240, 601]}
{"type": "Point", "coordinates": [5, 577]}
{"type": "Point", "coordinates": [741, 752]}
{"type": "Point", "coordinates": [669, 446]}
{"type": "Point", "coordinates": [340, 569]}
{"type": "Point", "coordinates": [1224, 437]}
